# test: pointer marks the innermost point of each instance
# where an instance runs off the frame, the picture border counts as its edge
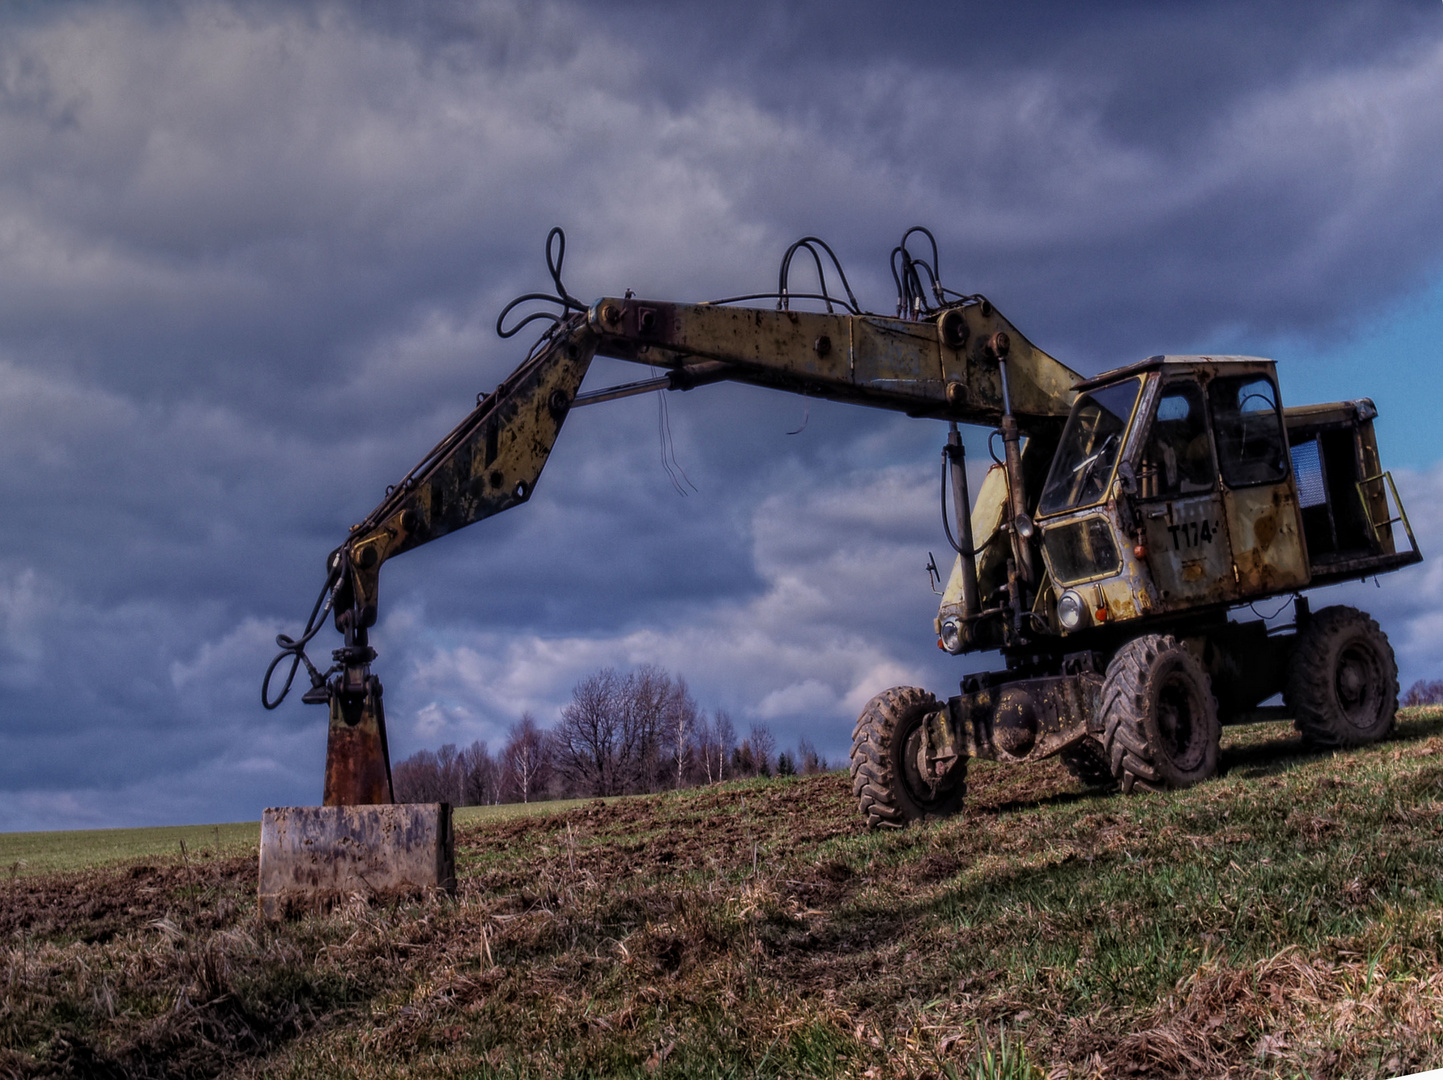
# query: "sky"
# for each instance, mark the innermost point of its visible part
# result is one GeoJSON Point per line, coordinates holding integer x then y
{"type": "Point", "coordinates": [252, 254]}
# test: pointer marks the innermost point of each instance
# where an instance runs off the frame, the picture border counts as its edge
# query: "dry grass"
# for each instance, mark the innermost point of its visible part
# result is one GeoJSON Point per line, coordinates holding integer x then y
{"type": "Point", "coordinates": [1284, 920]}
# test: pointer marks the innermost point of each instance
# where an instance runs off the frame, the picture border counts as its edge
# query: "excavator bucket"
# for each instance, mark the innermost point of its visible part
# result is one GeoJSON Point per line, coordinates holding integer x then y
{"type": "Point", "coordinates": [360, 842]}
{"type": "Point", "coordinates": [315, 856]}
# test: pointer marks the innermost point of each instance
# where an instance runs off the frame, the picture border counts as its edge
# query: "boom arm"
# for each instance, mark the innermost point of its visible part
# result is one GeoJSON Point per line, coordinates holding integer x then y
{"type": "Point", "coordinates": [968, 364]}
{"type": "Point", "coordinates": [946, 368]}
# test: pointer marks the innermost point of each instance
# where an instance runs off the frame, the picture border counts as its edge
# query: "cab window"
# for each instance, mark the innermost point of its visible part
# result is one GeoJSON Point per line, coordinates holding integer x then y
{"type": "Point", "coordinates": [1082, 467]}
{"type": "Point", "coordinates": [1252, 448]}
{"type": "Point", "coordinates": [1177, 458]}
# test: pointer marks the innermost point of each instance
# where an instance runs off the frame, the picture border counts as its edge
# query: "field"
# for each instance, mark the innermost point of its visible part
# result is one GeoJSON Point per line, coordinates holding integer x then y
{"type": "Point", "coordinates": [1283, 920]}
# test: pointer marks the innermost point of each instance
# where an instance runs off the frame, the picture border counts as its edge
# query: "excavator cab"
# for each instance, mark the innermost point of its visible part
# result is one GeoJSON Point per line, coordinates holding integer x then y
{"type": "Point", "coordinates": [1171, 489]}
{"type": "Point", "coordinates": [1181, 484]}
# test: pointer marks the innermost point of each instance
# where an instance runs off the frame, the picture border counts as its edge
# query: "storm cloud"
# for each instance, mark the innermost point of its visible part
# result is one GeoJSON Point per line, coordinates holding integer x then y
{"type": "Point", "coordinates": [252, 255]}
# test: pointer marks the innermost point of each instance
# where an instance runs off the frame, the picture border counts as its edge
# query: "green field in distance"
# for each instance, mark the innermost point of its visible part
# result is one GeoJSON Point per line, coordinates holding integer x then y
{"type": "Point", "coordinates": [24, 853]}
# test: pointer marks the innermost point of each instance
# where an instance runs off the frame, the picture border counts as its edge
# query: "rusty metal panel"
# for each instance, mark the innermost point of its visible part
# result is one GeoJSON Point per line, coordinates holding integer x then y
{"type": "Point", "coordinates": [891, 356]}
{"type": "Point", "coordinates": [1267, 537]}
{"type": "Point", "coordinates": [313, 856]}
{"type": "Point", "coordinates": [1189, 551]}
{"type": "Point", "coordinates": [358, 764]}
{"type": "Point", "coordinates": [1027, 719]}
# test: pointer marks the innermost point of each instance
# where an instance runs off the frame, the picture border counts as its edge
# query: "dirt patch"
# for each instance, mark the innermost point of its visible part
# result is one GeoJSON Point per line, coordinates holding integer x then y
{"type": "Point", "coordinates": [93, 906]}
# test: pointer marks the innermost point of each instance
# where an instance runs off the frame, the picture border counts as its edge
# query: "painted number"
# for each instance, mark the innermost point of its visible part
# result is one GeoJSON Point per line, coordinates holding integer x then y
{"type": "Point", "coordinates": [1191, 534]}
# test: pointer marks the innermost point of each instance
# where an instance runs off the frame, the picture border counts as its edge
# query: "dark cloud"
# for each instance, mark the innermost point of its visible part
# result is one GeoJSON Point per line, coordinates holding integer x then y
{"type": "Point", "coordinates": [252, 254]}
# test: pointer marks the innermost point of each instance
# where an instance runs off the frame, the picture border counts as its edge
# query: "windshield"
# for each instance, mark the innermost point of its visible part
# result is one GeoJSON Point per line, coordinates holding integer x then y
{"type": "Point", "coordinates": [1090, 444]}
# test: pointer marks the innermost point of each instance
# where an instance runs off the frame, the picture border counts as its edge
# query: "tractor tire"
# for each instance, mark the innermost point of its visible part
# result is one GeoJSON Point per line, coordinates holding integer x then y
{"type": "Point", "coordinates": [1087, 762]}
{"type": "Point", "coordinates": [889, 787]}
{"type": "Point", "coordinates": [1160, 719]}
{"type": "Point", "coordinates": [1342, 680]}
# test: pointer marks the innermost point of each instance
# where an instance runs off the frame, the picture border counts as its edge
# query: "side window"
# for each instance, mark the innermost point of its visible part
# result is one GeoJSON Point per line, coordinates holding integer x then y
{"type": "Point", "coordinates": [1249, 430]}
{"type": "Point", "coordinates": [1177, 458]}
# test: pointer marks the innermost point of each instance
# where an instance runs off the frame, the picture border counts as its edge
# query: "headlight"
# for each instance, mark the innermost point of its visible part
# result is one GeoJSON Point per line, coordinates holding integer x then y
{"type": "Point", "coordinates": [1071, 611]}
{"type": "Point", "coordinates": [952, 634]}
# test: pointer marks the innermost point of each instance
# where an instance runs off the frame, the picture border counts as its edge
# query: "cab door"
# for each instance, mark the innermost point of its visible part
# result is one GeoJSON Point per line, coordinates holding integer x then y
{"type": "Point", "coordinates": [1179, 506]}
{"type": "Point", "coordinates": [1259, 499]}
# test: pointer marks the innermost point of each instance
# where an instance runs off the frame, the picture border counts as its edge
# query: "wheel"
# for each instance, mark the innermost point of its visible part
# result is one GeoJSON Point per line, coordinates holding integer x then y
{"type": "Point", "coordinates": [1342, 679]}
{"type": "Point", "coordinates": [1160, 720]}
{"type": "Point", "coordinates": [1087, 761]}
{"type": "Point", "coordinates": [886, 742]}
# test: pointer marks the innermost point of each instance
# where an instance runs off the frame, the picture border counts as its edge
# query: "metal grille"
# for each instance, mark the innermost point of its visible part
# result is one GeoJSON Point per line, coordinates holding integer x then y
{"type": "Point", "coordinates": [1308, 469]}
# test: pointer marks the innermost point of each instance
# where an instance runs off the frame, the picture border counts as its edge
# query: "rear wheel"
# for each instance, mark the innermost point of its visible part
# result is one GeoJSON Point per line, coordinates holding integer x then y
{"type": "Point", "coordinates": [887, 777]}
{"type": "Point", "coordinates": [1160, 719]}
{"type": "Point", "coordinates": [1342, 679]}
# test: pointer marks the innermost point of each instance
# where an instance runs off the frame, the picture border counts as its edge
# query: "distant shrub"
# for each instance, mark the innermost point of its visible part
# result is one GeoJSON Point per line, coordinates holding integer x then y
{"type": "Point", "coordinates": [1424, 692]}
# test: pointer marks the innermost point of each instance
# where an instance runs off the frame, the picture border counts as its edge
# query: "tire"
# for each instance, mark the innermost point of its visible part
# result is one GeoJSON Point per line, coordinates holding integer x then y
{"type": "Point", "coordinates": [1087, 761]}
{"type": "Point", "coordinates": [1160, 719]}
{"type": "Point", "coordinates": [1342, 680]}
{"type": "Point", "coordinates": [889, 788]}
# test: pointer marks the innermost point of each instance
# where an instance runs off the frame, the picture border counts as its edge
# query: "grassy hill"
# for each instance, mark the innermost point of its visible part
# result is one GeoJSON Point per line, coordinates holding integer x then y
{"type": "Point", "coordinates": [1284, 920]}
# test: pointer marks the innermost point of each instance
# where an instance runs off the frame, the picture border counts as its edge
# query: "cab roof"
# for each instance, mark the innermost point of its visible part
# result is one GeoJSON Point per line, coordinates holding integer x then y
{"type": "Point", "coordinates": [1158, 363]}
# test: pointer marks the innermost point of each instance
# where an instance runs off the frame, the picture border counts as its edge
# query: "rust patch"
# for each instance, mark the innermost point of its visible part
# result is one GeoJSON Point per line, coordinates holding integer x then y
{"type": "Point", "coordinates": [1265, 529]}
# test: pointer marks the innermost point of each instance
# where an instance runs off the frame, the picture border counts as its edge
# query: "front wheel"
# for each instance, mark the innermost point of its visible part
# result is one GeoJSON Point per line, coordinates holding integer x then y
{"type": "Point", "coordinates": [1160, 720]}
{"type": "Point", "coordinates": [887, 775]}
{"type": "Point", "coordinates": [1342, 679]}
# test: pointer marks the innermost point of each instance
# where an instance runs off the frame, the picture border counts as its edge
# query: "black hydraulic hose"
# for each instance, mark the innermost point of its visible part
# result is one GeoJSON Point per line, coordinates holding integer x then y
{"type": "Point", "coordinates": [556, 239]}
{"type": "Point", "coordinates": [947, 525]}
{"type": "Point", "coordinates": [296, 648]}
{"type": "Point", "coordinates": [783, 292]}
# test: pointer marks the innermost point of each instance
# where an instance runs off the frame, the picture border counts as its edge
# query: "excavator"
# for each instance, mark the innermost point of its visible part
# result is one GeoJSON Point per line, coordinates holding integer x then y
{"type": "Point", "coordinates": [1112, 558]}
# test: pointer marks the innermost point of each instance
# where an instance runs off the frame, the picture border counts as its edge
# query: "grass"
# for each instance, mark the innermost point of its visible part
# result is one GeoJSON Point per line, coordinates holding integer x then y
{"type": "Point", "coordinates": [1284, 920]}
{"type": "Point", "coordinates": [46, 852]}
{"type": "Point", "coordinates": [26, 853]}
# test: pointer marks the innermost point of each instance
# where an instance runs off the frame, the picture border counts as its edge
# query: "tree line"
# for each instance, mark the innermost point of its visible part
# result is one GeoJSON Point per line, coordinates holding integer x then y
{"type": "Point", "coordinates": [620, 734]}
{"type": "Point", "coordinates": [1424, 692]}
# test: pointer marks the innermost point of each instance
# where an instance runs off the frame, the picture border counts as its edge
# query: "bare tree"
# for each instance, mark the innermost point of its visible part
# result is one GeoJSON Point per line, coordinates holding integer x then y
{"type": "Point", "coordinates": [725, 735]}
{"type": "Point", "coordinates": [589, 736]}
{"type": "Point", "coordinates": [808, 760]}
{"type": "Point", "coordinates": [416, 779]}
{"type": "Point", "coordinates": [526, 759]}
{"type": "Point", "coordinates": [645, 701]}
{"type": "Point", "coordinates": [681, 718]}
{"type": "Point", "coordinates": [479, 777]}
{"type": "Point", "coordinates": [701, 745]}
{"type": "Point", "coordinates": [448, 768]}
{"type": "Point", "coordinates": [764, 748]}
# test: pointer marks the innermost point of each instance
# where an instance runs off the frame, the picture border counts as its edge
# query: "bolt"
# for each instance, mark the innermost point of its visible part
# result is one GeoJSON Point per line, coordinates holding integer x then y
{"type": "Point", "coordinates": [611, 314]}
{"type": "Point", "coordinates": [999, 345]}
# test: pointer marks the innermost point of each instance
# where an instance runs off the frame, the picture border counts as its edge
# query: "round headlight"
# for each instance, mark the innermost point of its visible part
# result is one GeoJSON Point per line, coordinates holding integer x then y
{"type": "Point", "coordinates": [1071, 611]}
{"type": "Point", "coordinates": [952, 634]}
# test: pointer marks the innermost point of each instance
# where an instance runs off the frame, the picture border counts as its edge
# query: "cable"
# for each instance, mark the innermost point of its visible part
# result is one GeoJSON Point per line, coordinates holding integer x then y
{"type": "Point", "coordinates": [946, 522]}
{"type": "Point", "coordinates": [911, 295]}
{"type": "Point", "coordinates": [296, 648]}
{"type": "Point", "coordinates": [563, 299]}
{"type": "Point", "coordinates": [668, 448]}
{"type": "Point", "coordinates": [783, 293]}
{"type": "Point", "coordinates": [775, 296]}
